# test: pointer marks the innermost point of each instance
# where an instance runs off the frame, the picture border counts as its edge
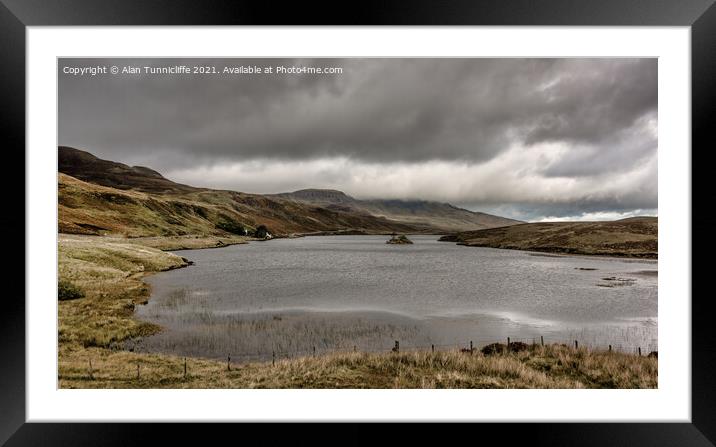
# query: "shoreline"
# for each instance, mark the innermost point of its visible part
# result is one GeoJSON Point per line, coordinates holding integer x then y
{"type": "Point", "coordinates": [626, 238]}
{"type": "Point", "coordinates": [557, 253]}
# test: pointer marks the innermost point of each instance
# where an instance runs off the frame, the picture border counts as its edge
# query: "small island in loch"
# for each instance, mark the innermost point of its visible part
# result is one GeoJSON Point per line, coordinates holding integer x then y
{"type": "Point", "coordinates": [399, 240]}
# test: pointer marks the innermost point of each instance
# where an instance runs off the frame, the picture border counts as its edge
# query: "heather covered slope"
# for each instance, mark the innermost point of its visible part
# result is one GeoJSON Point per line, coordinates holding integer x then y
{"type": "Point", "coordinates": [633, 237]}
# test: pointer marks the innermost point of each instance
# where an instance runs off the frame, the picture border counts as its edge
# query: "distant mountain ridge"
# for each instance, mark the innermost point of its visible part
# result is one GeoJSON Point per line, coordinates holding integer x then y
{"type": "Point", "coordinates": [439, 215]}
{"type": "Point", "coordinates": [319, 196]}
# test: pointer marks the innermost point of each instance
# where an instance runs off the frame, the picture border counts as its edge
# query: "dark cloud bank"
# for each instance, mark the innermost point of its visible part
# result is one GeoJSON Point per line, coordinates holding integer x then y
{"type": "Point", "coordinates": [531, 138]}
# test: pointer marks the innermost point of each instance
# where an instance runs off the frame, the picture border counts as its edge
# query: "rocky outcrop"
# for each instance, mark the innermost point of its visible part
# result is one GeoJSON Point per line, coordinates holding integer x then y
{"type": "Point", "coordinates": [399, 240]}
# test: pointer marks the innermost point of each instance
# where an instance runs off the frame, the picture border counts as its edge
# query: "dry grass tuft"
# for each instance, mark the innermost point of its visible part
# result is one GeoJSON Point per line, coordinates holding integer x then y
{"type": "Point", "coordinates": [108, 272]}
{"type": "Point", "coordinates": [540, 367]}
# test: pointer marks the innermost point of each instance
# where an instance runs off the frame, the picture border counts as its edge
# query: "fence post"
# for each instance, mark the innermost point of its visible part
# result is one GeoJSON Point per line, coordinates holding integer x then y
{"type": "Point", "coordinates": [314, 351]}
{"type": "Point", "coordinates": [137, 371]}
{"type": "Point", "coordinates": [576, 345]}
{"type": "Point", "coordinates": [639, 351]}
{"type": "Point", "coordinates": [610, 348]}
{"type": "Point", "coordinates": [354, 348]}
{"type": "Point", "coordinates": [471, 349]}
{"type": "Point", "coordinates": [432, 348]}
{"type": "Point", "coordinates": [396, 348]}
{"type": "Point", "coordinates": [508, 342]}
{"type": "Point", "coordinates": [91, 376]}
{"type": "Point", "coordinates": [228, 363]}
{"type": "Point", "coordinates": [541, 340]}
{"type": "Point", "coordinates": [273, 358]}
{"type": "Point", "coordinates": [185, 367]}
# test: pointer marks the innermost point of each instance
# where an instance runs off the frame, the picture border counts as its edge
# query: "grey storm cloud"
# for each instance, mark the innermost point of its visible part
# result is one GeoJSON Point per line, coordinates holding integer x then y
{"type": "Point", "coordinates": [600, 112]}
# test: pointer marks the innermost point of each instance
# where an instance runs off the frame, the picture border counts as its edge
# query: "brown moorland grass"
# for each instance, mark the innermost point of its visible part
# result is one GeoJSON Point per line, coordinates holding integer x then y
{"type": "Point", "coordinates": [109, 272]}
{"type": "Point", "coordinates": [552, 366]}
{"type": "Point", "coordinates": [632, 237]}
{"type": "Point", "coordinates": [164, 243]}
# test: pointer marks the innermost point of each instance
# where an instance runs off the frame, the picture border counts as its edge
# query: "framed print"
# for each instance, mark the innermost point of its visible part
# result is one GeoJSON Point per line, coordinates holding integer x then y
{"type": "Point", "coordinates": [455, 221]}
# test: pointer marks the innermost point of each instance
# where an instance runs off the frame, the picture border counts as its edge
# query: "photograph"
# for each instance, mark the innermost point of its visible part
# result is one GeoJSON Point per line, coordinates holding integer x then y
{"type": "Point", "coordinates": [360, 223]}
{"type": "Point", "coordinates": [474, 215]}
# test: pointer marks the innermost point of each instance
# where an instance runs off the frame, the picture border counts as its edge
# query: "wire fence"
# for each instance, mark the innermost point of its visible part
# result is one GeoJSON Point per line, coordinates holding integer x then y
{"type": "Point", "coordinates": [469, 346]}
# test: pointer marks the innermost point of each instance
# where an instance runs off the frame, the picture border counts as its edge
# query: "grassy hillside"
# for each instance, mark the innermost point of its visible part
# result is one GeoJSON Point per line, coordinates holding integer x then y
{"type": "Point", "coordinates": [440, 215]}
{"type": "Point", "coordinates": [634, 237]}
{"type": "Point", "coordinates": [89, 208]}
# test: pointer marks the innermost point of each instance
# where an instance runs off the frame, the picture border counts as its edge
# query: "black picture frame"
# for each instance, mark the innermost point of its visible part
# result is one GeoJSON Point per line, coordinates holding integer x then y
{"type": "Point", "coordinates": [16, 15]}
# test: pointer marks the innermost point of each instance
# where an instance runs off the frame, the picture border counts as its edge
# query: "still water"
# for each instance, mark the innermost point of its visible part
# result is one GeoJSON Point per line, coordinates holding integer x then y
{"type": "Point", "coordinates": [339, 292]}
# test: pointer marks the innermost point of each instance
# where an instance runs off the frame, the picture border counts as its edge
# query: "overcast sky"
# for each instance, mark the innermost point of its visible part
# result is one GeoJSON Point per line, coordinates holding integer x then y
{"type": "Point", "coordinates": [533, 139]}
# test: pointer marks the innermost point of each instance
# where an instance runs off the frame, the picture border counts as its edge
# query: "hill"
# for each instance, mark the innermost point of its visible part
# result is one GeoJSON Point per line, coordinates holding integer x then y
{"type": "Point", "coordinates": [98, 196]}
{"type": "Point", "coordinates": [85, 166]}
{"type": "Point", "coordinates": [87, 208]}
{"type": "Point", "coordinates": [633, 237]}
{"type": "Point", "coordinates": [325, 197]}
{"type": "Point", "coordinates": [441, 216]}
